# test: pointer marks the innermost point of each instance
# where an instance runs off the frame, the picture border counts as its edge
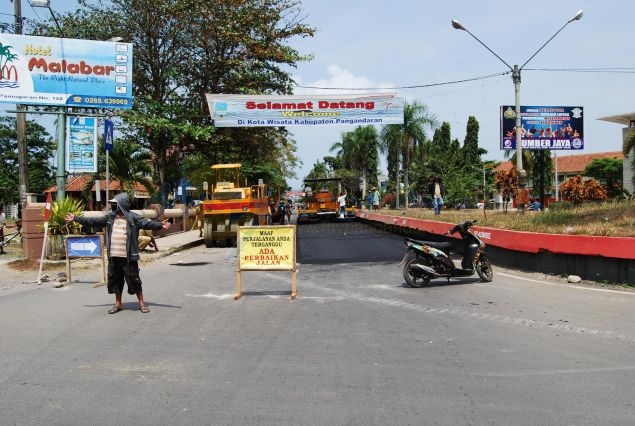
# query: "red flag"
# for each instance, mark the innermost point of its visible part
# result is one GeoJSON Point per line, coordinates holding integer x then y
{"type": "Point", "coordinates": [47, 209]}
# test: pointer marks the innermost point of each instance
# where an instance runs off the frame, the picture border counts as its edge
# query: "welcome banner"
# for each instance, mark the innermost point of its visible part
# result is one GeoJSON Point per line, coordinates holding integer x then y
{"type": "Point", "coordinates": [305, 110]}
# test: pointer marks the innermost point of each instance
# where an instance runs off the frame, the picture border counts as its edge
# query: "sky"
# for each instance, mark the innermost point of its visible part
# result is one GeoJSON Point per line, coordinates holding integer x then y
{"type": "Point", "coordinates": [393, 44]}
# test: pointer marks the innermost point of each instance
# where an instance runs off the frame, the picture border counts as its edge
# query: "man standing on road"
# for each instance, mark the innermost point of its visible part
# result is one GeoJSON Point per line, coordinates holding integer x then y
{"type": "Point", "coordinates": [341, 201]}
{"type": "Point", "coordinates": [122, 236]}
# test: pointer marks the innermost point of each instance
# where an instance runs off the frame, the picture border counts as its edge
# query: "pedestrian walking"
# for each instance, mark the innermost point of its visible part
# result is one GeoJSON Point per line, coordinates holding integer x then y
{"type": "Point", "coordinates": [375, 198]}
{"type": "Point", "coordinates": [122, 236]}
{"type": "Point", "coordinates": [437, 191]}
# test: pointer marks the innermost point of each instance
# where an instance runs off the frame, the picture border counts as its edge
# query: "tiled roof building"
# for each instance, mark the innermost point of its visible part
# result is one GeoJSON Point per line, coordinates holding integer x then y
{"type": "Point", "coordinates": [76, 184]}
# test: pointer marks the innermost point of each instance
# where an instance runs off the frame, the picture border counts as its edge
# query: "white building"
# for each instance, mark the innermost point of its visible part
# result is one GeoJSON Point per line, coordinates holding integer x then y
{"type": "Point", "coordinates": [627, 120]}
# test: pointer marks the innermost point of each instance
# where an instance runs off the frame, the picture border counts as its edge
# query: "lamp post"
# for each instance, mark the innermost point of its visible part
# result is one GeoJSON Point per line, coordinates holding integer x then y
{"type": "Point", "coordinates": [516, 79]}
{"type": "Point", "coordinates": [60, 179]}
{"type": "Point", "coordinates": [20, 124]}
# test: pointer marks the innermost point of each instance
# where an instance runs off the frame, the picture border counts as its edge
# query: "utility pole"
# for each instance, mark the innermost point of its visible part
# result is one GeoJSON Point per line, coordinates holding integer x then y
{"type": "Point", "coordinates": [20, 121]}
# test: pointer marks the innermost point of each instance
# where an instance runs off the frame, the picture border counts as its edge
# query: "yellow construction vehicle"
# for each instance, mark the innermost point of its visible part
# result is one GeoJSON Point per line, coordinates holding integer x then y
{"type": "Point", "coordinates": [232, 205]}
{"type": "Point", "coordinates": [321, 203]}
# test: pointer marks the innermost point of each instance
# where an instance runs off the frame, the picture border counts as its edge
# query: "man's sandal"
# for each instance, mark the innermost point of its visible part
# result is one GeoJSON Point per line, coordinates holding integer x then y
{"type": "Point", "coordinates": [144, 309]}
{"type": "Point", "coordinates": [115, 309]}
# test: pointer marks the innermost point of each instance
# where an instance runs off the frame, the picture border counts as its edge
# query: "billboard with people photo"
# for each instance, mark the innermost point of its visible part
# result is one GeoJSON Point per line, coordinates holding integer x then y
{"type": "Point", "coordinates": [543, 127]}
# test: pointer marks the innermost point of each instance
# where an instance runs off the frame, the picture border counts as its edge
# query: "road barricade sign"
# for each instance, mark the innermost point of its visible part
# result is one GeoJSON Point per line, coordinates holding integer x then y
{"type": "Point", "coordinates": [266, 248]}
{"type": "Point", "coordinates": [85, 246]}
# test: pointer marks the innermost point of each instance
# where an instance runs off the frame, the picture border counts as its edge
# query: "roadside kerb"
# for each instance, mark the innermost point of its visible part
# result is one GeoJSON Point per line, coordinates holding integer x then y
{"type": "Point", "coordinates": [591, 257]}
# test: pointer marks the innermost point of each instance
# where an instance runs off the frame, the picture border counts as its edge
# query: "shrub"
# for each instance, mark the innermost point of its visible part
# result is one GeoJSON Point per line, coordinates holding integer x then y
{"type": "Point", "coordinates": [59, 210]}
{"type": "Point", "coordinates": [390, 200]}
{"type": "Point", "coordinates": [577, 190]}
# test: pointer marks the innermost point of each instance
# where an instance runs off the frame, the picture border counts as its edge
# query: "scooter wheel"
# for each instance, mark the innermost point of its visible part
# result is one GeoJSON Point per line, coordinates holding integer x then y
{"type": "Point", "coordinates": [484, 269]}
{"type": "Point", "coordinates": [414, 279]}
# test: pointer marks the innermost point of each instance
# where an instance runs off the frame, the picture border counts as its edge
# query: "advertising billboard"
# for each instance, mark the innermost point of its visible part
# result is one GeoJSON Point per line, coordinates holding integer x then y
{"type": "Point", "coordinates": [65, 72]}
{"type": "Point", "coordinates": [305, 110]}
{"type": "Point", "coordinates": [81, 144]}
{"type": "Point", "coordinates": [543, 127]}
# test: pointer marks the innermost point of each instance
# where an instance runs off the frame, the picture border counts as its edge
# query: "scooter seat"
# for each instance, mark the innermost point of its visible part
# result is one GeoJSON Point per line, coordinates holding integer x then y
{"type": "Point", "coordinates": [445, 246]}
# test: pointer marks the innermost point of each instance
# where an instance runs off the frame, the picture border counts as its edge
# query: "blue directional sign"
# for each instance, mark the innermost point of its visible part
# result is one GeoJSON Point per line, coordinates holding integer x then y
{"type": "Point", "coordinates": [83, 246]}
{"type": "Point", "coordinates": [109, 131]}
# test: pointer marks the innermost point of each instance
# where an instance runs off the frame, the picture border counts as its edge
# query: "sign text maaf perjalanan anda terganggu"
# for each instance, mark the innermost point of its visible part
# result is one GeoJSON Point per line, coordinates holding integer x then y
{"type": "Point", "coordinates": [265, 241]}
{"type": "Point", "coordinates": [367, 105]}
{"type": "Point", "coordinates": [62, 66]}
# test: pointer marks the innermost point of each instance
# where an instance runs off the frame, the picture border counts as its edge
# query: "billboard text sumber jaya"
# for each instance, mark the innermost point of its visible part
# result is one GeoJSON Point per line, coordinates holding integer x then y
{"type": "Point", "coordinates": [65, 72]}
{"type": "Point", "coordinates": [543, 127]}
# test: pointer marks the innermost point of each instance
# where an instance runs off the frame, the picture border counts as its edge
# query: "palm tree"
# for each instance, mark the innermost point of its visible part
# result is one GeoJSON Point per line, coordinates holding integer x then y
{"type": "Point", "coordinates": [129, 163]}
{"type": "Point", "coordinates": [527, 160]}
{"type": "Point", "coordinates": [399, 141]}
{"type": "Point", "coordinates": [358, 150]}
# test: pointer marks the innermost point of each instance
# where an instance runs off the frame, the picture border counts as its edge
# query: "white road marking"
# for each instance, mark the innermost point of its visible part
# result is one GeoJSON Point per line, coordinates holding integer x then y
{"type": "Point", "coordinates": [604, 290]}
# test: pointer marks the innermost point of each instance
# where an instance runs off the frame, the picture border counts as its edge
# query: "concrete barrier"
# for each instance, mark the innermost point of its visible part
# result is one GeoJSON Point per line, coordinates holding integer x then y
{"type": "Point", "coordinates": [33, 223]}
{"type": "Point", "coordinates": [610, 259]}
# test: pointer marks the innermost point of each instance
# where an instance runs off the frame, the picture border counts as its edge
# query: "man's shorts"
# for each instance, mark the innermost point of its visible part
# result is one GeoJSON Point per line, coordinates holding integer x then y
{"type": "Point", "coordinates": [120, 270]}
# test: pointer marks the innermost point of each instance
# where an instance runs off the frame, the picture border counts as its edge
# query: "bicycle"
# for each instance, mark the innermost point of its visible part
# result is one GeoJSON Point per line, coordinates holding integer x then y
{"type": "Point", "coordinates": [7, 238]}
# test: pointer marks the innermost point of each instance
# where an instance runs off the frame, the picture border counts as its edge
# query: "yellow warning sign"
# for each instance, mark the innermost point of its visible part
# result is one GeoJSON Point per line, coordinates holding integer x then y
{"type": "Point", "coordinates": [266, 248]}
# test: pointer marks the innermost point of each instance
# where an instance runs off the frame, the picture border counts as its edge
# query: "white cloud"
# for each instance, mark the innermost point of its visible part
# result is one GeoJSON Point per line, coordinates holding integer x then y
{"type": "Point", "coordinates": [340, 80]}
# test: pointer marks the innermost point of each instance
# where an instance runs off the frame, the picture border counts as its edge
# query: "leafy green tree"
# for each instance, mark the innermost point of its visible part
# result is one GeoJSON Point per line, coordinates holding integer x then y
{"type": "Point", "coordinates": [471, 151]}
{"type": "Point", "coordinates": [186, 48]}
{"type": "Point", "coordinates": [436, 157]}
{"type": "Point", "coordinates": [320, 170]}
{"type": "Point", "coordinates": [465, 177]}
{"type": "Point", "coordinates": [609, 171]}
{"type": "Point", "coordinates": [460, 167]}
{"type": "Point", "coordinates": [542, 172]}
{"type": "Point", "coordinates": [359, 151]}
{"type": "Point", "coordinates": [400, 141]}
{"type": "Point", "coordinates": [41, 149]}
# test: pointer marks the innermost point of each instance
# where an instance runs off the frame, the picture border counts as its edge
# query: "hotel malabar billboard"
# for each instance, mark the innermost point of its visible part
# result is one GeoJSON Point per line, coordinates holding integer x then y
{"type": "Point", "coordinates": [543, 127]}
{"type": "Point", "coordinates": [65, 72]}
{"type": "Point", "coordinates": [305, 110]}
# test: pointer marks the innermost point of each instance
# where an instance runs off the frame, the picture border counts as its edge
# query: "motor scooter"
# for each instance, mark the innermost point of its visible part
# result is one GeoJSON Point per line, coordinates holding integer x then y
{"type": "Point", "coordinates": [427, 260]}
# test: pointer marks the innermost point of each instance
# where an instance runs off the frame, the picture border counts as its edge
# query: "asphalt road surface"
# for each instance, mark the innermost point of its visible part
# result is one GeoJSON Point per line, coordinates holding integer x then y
{"type": "Point", "coordinates": [356, 347]}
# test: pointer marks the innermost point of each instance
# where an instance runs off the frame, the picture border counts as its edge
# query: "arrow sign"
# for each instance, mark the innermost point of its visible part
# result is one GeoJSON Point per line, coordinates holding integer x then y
{"type": "Point", "coordinates": [84, 246]}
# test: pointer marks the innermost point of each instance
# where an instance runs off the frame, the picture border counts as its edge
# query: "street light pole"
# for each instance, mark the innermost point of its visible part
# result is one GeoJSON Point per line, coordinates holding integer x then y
{"type": "Point", "coordinates": [516, 79]}
{"type": "Point", "coordinates": [60, 175]}
{"type": "Point", "coordinates": [20, 124]}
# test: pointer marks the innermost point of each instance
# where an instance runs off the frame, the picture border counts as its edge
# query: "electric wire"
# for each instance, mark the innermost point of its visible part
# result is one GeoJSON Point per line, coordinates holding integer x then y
{"type": "Point", "coordinates": [415, 86]}
{"type": "Point", "coordinates": [620, 70]}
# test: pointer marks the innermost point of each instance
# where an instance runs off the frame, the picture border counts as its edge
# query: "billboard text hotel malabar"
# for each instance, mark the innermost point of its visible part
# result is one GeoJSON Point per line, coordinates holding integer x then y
{"type": "Point", "coordinates": [65, 72]}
